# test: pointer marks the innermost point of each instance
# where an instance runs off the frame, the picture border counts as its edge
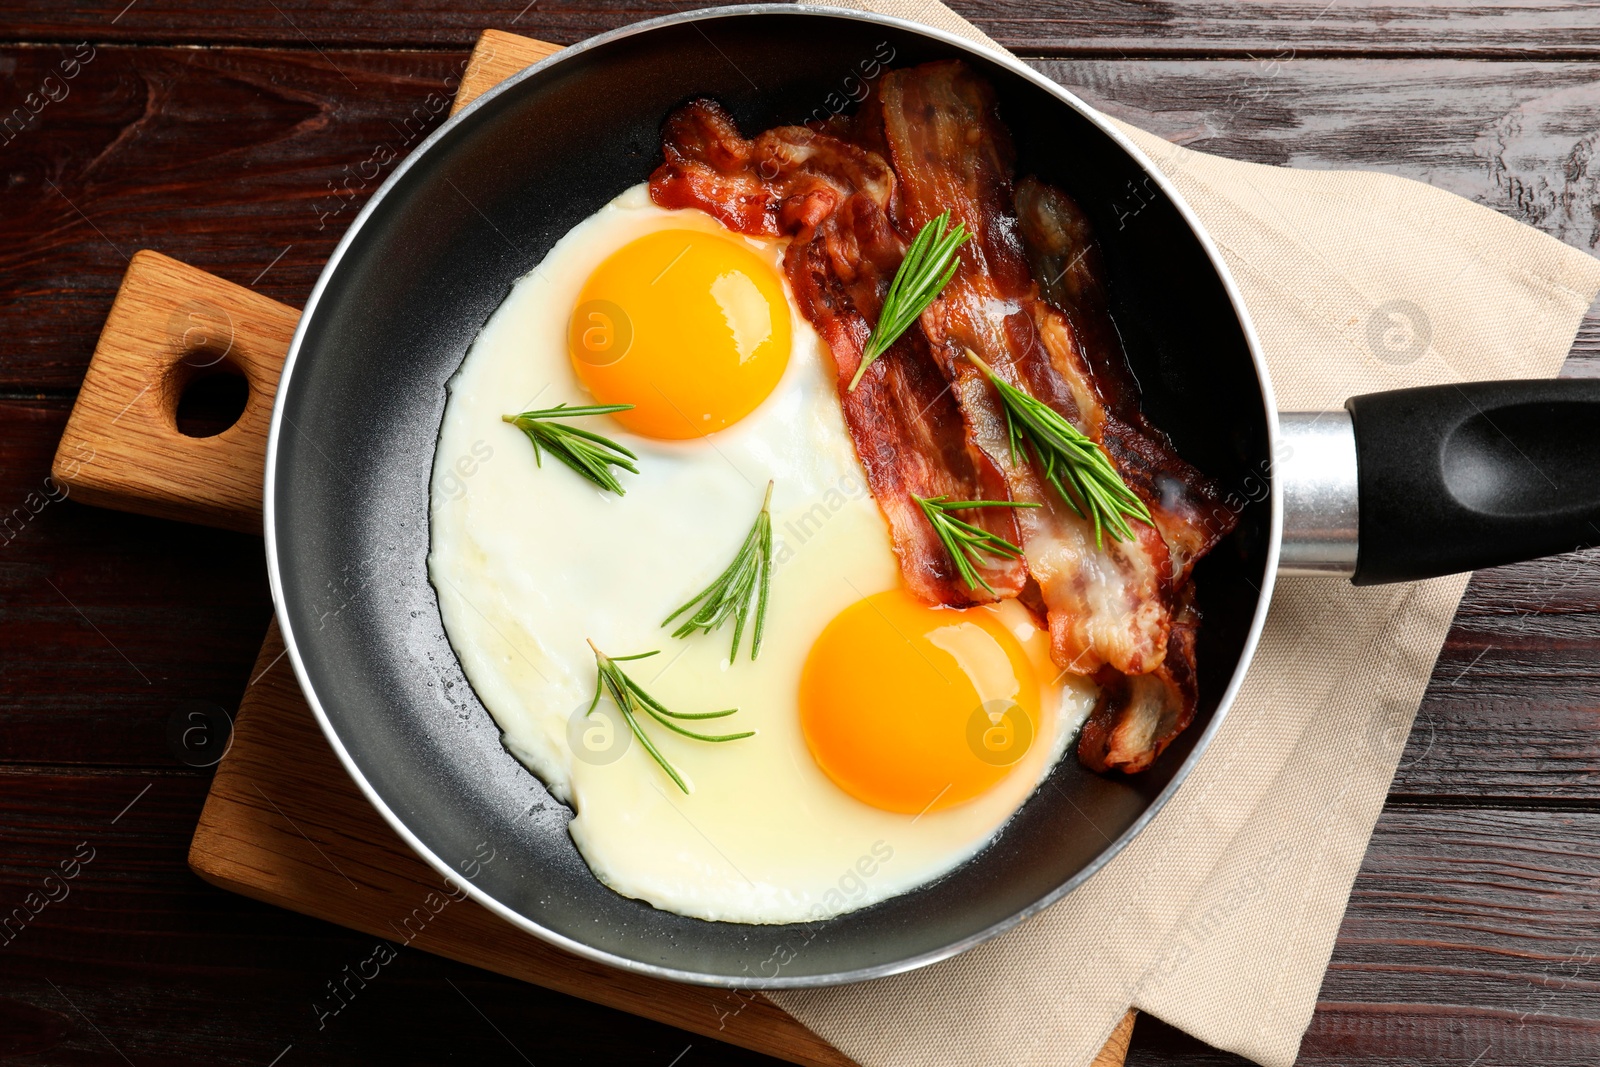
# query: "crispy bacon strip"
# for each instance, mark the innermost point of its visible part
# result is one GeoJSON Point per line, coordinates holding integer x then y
{"type": "Point", "coordinates": [833, 199]}
{"type": "Point", "coordinates": [1186, 505]}
{"type": "Point", "coordinates": [1136, 717]}
{"type": "Point", "coordinates": [1106, 605]}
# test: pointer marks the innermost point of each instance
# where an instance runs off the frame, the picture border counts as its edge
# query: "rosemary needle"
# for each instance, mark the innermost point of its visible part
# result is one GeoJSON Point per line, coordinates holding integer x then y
{"type": "Point", "coordinates": [748, 577]}
{"type": "Point", "coordinates": [963, 540]}
{"type": "Point", "coordinates": [585, 451]}
{"type": "Point", "coordinates": [634, 702]}
{"type": "Point", "coordinates": [929, 265]}
{"type": "Point", "coordinates": [1071, 461]}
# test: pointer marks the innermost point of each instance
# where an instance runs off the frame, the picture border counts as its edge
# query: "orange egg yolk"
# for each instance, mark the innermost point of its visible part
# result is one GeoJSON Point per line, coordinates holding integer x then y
{"type": "Point", "coordinates": [691, 328]}
{"type": "Point", "coordinates": [912, 708]}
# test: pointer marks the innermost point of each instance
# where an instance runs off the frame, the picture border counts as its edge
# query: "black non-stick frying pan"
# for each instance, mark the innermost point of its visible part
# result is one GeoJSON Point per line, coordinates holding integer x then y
{"type": "Point", "coordinates": [481, 202]}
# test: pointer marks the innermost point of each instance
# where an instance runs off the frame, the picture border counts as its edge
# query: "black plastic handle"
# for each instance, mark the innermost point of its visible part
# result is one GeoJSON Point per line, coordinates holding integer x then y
{"type": "Point", "coordinates": [1456, 477]}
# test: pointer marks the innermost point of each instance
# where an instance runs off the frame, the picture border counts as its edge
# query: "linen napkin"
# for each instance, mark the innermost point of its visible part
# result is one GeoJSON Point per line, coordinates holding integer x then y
{"type": "Point", "coordinates": [1220, 916]}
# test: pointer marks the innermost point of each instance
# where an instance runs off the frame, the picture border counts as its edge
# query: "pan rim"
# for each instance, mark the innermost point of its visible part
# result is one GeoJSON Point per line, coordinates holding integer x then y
{"type": "Point", "coordinates": [882, 970]}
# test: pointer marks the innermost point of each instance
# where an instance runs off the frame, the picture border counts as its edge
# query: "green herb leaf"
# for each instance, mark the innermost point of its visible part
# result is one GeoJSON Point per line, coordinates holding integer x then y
{"type": "Point", "coordinates": [748, 577]}
{"type": "Point", "coordinates": [1079, 469]}
{"type": "Point", "coordinates": [929, 265]}
{"type": "Point", "coordinates": [635, 703]}
{"type": "Point", "coordinates": [585, 451]}
{"type": "Point", "coordinates": [963, 540]}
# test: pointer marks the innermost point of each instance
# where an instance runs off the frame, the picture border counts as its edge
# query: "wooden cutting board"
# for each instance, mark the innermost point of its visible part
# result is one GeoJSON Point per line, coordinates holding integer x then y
{"type": "Point", "coordinates": [283, 823]}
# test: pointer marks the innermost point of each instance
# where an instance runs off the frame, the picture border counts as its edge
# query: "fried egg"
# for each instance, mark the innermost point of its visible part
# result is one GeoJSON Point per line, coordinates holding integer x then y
{"type": "Point", "coordinates": [892, 739]}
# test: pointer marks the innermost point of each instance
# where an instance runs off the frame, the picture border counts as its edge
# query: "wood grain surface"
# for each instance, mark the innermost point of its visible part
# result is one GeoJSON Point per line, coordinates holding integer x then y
{"type": "Point", "coordinates": [496, 55]}
{"type": "Point", "coordinates": [123, 448]}
{"type": "Point", "coordinates": [1116, 27]}
{"type": "Point", "coordinates": [1470, 939]}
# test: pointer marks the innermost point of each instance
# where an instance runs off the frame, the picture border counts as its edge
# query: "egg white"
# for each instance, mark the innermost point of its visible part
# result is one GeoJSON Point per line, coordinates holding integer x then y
{"type": "Point", "coordinates": [528, 562]}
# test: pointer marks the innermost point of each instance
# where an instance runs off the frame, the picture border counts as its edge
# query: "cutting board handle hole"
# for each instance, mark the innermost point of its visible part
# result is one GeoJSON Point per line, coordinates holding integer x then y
{"type": "Point", "coordinates": [211, 393]}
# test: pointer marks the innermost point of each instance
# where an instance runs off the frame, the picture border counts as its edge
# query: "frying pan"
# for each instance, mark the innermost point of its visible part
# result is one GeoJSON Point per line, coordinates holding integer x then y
{"type": "Point", "coordinates": [1444, 475]}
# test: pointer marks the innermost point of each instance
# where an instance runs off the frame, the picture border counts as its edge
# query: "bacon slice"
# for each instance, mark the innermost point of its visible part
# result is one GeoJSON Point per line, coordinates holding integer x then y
{"type": "Point", "coordinates": [1136, 717]}
{"type": "Point", "coordinates": [1107, 603]}
{"type": "Point", "coordinates": [833, 199]}
{"type": "Point", "coordinates": [1187, 506]}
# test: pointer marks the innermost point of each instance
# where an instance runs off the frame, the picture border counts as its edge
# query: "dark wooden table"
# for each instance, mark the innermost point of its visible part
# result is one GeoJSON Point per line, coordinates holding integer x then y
{"type": "Point", "coordinates": [240, 136]}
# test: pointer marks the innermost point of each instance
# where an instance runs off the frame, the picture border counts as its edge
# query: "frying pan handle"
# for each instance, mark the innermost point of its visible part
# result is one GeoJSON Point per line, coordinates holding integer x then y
{"type": "Point", "coordinates": [1457, 477]}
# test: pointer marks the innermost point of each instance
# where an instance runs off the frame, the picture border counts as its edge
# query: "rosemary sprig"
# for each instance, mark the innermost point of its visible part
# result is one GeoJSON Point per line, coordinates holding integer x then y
{"type": "Point", "coordinates": [585, 451]}
{"type": "Point", "coordinates": [963, 540]}
{"type": "Point", "coordinates": [634, 702]}
{"type": "Point", "coordinates": [1079, 469]}
{"type": "Point", "coordinates": [929, 265]}
{"type": "Point", "coordinates": [749, 575]}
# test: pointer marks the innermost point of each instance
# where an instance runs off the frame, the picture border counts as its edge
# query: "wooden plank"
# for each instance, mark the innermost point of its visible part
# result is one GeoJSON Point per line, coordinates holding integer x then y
{"type": "Point", "coordinates": [1466, 930]}
{"type": "Point", "coordinates": [1456, 911]}
{"type": "Point", "coordinates": [1216, 28]}
{"type": "Point", "coordinates": [111, 623]}
{"type": "Point", "coordinates": [1113, 27]}
{"type": "Point", "coordinates": [1512, 136]}
{"type": "Point", "coordinates": [1511, 708]}
{"type": "Point", "coordinates": [250, 163]}
{"type": "Point", "coordinates": [136, 955]}
{"type": "Point", "coordinates": [246, 164]}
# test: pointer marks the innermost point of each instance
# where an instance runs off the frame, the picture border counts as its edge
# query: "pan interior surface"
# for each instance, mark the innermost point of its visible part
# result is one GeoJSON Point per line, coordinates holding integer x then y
{"type": "Point", "coordinates": [360, 412]}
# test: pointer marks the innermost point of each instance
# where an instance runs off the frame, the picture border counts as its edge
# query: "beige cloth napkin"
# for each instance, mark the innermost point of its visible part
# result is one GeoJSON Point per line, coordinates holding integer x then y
{"type": "Point", "coordinates": [1220, 917]}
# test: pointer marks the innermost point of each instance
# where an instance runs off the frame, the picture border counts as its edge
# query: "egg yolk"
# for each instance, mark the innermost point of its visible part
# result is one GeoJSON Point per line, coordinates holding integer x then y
{"type": "Point", "coordinates": [912, 708]}
{"type": "Point", "coordinates": [691, 328]}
